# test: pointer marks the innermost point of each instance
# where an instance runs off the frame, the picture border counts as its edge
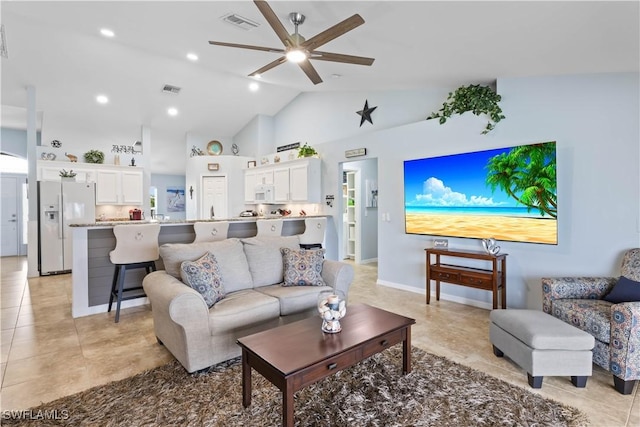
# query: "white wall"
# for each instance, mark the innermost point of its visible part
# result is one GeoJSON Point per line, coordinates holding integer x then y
{"type": "Point", "coordinates": [593, 118]}
{"type": "Point", "coordinates": [256, 138]}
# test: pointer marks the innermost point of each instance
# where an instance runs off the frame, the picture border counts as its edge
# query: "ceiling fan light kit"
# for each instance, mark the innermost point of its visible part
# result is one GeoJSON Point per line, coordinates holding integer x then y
{"type": "Point", "coordinates": [299, 50]}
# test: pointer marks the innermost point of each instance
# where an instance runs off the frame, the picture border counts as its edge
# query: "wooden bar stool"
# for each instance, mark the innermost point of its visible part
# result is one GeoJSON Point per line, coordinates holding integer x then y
{"type": "Point", "coordinates": [269, 227]}
{"type": "Point", "coordinates": [210, 231]}
{"type": "Point", "coordinates": [136, 247]}
{"type": "Point", "coordinates": [313, 235]}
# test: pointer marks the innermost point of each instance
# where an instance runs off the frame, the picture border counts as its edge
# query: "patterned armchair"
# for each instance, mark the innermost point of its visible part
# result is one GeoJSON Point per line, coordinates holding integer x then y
{"type": "Point", "coordinates": [616, 327]}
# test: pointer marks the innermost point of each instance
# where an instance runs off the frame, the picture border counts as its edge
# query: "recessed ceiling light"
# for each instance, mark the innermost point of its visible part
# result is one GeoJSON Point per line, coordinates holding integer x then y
{"type": "Point", "coordinates": [253, 86]}
{"type": "Point", "coordinates": [192, 56]}
{"type": "Point", "coordinates": [336, 76]}
{"type": "Point", "coordinates": [257, 76]}
{"type": "Point", "coordinates": [107, 32]}
{"type": "Point", "coordinates": [102, 99]}
{"type": "Point", "coordinates": [172, 111]}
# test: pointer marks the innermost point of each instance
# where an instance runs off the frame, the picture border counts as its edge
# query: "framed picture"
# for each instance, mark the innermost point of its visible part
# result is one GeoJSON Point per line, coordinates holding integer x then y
{"type": "Point", "coordinates": [251, 164]}
{"type": "Point", "coordinates": [213, 166]}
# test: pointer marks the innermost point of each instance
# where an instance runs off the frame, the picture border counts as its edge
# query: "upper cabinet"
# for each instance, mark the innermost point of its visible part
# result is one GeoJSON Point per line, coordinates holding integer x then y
{"type": "Point", "coordinates": [114, 187]}
{"type": "Point", "coordinates": [295, 181]}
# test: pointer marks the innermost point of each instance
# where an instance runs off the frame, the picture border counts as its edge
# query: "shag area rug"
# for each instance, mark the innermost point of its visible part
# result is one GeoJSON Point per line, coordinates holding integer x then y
{"type": "Point", "coordinates": [438, 392]}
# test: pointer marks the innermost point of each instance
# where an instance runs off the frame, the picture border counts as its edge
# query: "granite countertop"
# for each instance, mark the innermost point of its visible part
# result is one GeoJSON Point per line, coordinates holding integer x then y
{"type": "Point", "coordinates": [125, 221]}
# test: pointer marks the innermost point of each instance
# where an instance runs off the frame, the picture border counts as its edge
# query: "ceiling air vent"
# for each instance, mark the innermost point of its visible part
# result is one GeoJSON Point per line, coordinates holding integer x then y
{"type": "Point", "coordinates": [171, 89]}
{"type": "Point", "coordinates": [239, 21]}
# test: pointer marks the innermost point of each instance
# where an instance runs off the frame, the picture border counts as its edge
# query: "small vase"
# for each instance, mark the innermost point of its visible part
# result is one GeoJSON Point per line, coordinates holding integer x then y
{"type": "Point", "coordinates": [68, 178]}
{"type": "Point", "coordinates": [332, 306]}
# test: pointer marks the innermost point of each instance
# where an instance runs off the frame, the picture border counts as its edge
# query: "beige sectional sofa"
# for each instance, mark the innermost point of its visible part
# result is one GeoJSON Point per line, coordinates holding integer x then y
{"type": "Point", "coordinates": [252, 274]}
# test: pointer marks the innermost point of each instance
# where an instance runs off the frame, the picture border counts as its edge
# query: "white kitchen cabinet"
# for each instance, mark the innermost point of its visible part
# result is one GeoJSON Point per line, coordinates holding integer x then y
{"type": "Point", "coordinates": [50, 171]}
{"type": "Point", "coordinates": [281, 185]}
{"type": "Point", "coordinates": [296, 181]}
{"type": "Point", "coordinates": [115, 187]}
{"type": "Point", "coordinates": [132, 182]}
{"type": "Point", "coordinates": [250, 185]}
{"type": "Point", "coordinates": [264, 176]}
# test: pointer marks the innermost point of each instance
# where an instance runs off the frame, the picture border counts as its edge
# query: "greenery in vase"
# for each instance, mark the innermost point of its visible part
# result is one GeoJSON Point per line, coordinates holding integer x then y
{"type": "Point", "coordinates": [306, 151]}
{"type": "Point", "coordinates": [475, 98]}
{"type": "Point", "coordinates": [94, 156]}
{"type": "Point", "coordinates": [67, 174]}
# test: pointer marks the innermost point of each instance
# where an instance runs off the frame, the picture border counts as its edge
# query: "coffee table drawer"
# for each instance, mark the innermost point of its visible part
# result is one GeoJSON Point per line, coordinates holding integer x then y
{"type": "Point", "coordinates": [380, 343]}
{"type": "Point", "coordinates": [325, 368]}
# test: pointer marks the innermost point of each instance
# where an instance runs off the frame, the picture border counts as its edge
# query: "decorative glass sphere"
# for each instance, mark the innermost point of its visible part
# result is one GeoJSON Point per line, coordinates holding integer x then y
{"type": "Point", "coordinates": [332, 306]}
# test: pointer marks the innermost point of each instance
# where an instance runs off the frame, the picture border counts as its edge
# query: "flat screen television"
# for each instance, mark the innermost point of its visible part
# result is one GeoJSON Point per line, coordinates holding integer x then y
{"type": "Point", "coordinates": [508, 194]}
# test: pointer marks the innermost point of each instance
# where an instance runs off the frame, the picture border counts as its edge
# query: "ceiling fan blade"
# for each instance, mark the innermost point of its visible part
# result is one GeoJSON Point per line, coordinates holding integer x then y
{"type": "Point", "coordinates": [275, 23]}
{"type": "Point", "coordinates": [269, 66]}
{"type": "Point", "coordinates": [247, 46]}
{"type": "Point", "coordinates": [337, 57]}
{"type": "Point", "coordinates": [310, 71]}
{"type": "Point", "coordinates": [331, 33]}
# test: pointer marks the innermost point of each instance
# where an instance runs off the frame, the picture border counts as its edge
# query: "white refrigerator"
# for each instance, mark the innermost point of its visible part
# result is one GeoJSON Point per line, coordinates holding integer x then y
{"type": "Point", "coordinates": [61, 204]}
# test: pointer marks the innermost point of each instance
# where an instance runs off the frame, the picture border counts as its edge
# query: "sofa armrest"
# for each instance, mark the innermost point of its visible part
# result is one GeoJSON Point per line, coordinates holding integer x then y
{"type": "Point", "coordinates": [625, 340]}
{"type": "Point", "coordinates": [338, 275]}
{"type": "Point", "coordinates": [574, 287]}
{"type": "Point", "coordinates": [180, 319]}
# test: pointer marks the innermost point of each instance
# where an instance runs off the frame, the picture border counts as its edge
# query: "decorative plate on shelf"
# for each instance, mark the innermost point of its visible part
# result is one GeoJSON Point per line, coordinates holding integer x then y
{"type": "Point", "coordinates": [214, 148]}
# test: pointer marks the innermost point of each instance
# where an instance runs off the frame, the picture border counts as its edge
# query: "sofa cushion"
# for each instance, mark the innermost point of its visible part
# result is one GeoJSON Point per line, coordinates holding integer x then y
{"type": "Point", "coordinates": [303, 267]}
{"type": "Point", "coordinates": [241, 309]}
{"type": "Point", "coordinates": [590, 315]}
{"type": "Point", "coordinates": [203, 275]}
{"type": "Point", "coordinates": [229, 253]}
{"type": "Point", "coordinates": [265, 259]}
{"type": "Point", "coordinates": [294, 299]}
{"type": "Point", "coordinates": [625, 290]}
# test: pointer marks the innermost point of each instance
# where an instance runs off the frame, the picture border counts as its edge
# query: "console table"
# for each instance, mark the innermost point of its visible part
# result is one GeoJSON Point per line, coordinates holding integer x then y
{"type": "Point", "coordinates": [493, 279]}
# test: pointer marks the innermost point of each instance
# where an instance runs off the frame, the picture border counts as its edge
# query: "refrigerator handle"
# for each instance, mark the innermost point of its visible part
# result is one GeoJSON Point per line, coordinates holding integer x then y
{"type": "Point", "coordinates": [60, 212]}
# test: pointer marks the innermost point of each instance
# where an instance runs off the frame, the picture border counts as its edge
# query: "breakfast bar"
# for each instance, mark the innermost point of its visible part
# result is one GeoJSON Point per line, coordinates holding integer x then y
{"type": "Point", "coordinates": [93, 271]}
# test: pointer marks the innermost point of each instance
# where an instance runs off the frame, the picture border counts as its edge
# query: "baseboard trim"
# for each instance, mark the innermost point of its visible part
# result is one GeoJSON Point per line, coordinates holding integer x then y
{"type": "Point", "coordinates": [369, 261]}
{"type": "Point", "coordinates": [443, 296]}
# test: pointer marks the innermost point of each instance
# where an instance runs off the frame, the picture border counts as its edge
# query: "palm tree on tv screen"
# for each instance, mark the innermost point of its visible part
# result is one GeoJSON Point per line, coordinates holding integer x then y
{"type": "Point", "coordinates": [527, 173]}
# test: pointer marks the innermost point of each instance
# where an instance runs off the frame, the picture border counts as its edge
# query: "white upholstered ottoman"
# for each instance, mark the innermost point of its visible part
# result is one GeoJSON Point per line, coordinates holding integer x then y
{"type": "Point", "coordinates": [542, 345]}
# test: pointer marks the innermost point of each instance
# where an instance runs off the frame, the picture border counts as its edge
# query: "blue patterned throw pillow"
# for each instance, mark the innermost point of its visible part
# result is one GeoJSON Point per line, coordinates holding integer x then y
{"type": "Point", "coordinates": [203, 275]}
{"type": "Point", "coordinates": [625, 290]}
{"type": "Point", "coordinates": [302, 267]}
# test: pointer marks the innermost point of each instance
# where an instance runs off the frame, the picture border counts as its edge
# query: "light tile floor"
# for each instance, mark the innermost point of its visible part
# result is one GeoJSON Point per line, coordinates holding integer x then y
{"type": "Point", "coordinates": [47, 354]}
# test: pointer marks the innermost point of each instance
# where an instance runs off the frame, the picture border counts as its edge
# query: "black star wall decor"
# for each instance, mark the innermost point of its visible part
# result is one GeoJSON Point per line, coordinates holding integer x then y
{"type": "Point", "coordinates": [365, 113]}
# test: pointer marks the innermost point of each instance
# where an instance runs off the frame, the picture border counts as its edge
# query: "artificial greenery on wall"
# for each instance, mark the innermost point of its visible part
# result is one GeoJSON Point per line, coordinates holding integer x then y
{"type": "Point", "coordinates": [475, 98]}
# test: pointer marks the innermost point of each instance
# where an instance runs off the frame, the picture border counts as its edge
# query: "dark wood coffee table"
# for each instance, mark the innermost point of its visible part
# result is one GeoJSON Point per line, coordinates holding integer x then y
{"type": "Point", "coordinates": [296, 355]}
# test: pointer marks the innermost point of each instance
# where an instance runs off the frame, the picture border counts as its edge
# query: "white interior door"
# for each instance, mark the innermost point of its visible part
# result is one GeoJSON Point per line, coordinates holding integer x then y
{"type": "Point", "coordinates": [214, 197]}
{"type": "Point", "coordinates": [9, 217]}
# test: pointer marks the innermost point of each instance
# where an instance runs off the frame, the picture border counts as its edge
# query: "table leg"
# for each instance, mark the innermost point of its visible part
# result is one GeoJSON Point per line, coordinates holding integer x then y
{"type": "Point", "coordinates": [437, 290]}
{"type": "Point", "coordinates": [246, 380]}
{"type": "Point", "coordinates": [504, 282]}
{"type": "Point", "coordinates": [287, 406]}
{"type": "Point", "coordinates": [428, 289]}
{"type": "Point", "coordinates": [406, 352]}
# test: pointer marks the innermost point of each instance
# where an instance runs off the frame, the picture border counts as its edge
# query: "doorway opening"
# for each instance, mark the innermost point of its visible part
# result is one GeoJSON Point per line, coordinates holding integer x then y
{"type": "Point", "coordinates": [359, 219]}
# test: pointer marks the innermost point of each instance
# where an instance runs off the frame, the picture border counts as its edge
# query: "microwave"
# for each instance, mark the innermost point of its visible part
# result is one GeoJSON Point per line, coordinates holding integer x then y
{"type": "Point", "coordinates": [264, 193]}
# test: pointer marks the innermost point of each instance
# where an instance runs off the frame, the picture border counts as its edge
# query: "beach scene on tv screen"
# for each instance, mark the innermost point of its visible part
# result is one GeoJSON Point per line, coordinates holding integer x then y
{"type": "Point", "coordinates": [508, 194]}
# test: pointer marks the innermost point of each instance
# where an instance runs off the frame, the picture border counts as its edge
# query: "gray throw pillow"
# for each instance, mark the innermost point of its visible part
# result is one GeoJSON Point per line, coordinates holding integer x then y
{"type": "Point", "coordinates": [303, 267]}
{"type": "Point", "coordinates": [203, 275]}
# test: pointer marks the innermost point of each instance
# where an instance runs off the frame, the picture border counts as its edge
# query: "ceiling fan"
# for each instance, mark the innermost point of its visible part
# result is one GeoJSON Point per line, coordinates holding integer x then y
{"type": "Point", "coordinates": [300, 50]}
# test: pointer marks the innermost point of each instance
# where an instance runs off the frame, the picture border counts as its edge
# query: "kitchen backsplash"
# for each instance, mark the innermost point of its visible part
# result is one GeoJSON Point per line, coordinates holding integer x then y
{"type": "Point", "coordinates": [112, 211]}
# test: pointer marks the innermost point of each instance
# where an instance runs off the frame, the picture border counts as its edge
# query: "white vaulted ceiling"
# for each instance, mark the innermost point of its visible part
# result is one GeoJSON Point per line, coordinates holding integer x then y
{"type": "Point", "coordinates": [57, 48]}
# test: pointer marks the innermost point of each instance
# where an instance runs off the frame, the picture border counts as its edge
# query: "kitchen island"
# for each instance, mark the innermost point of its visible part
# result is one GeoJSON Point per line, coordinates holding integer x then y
{"type": "Point", "coordinates": [93, 271]}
